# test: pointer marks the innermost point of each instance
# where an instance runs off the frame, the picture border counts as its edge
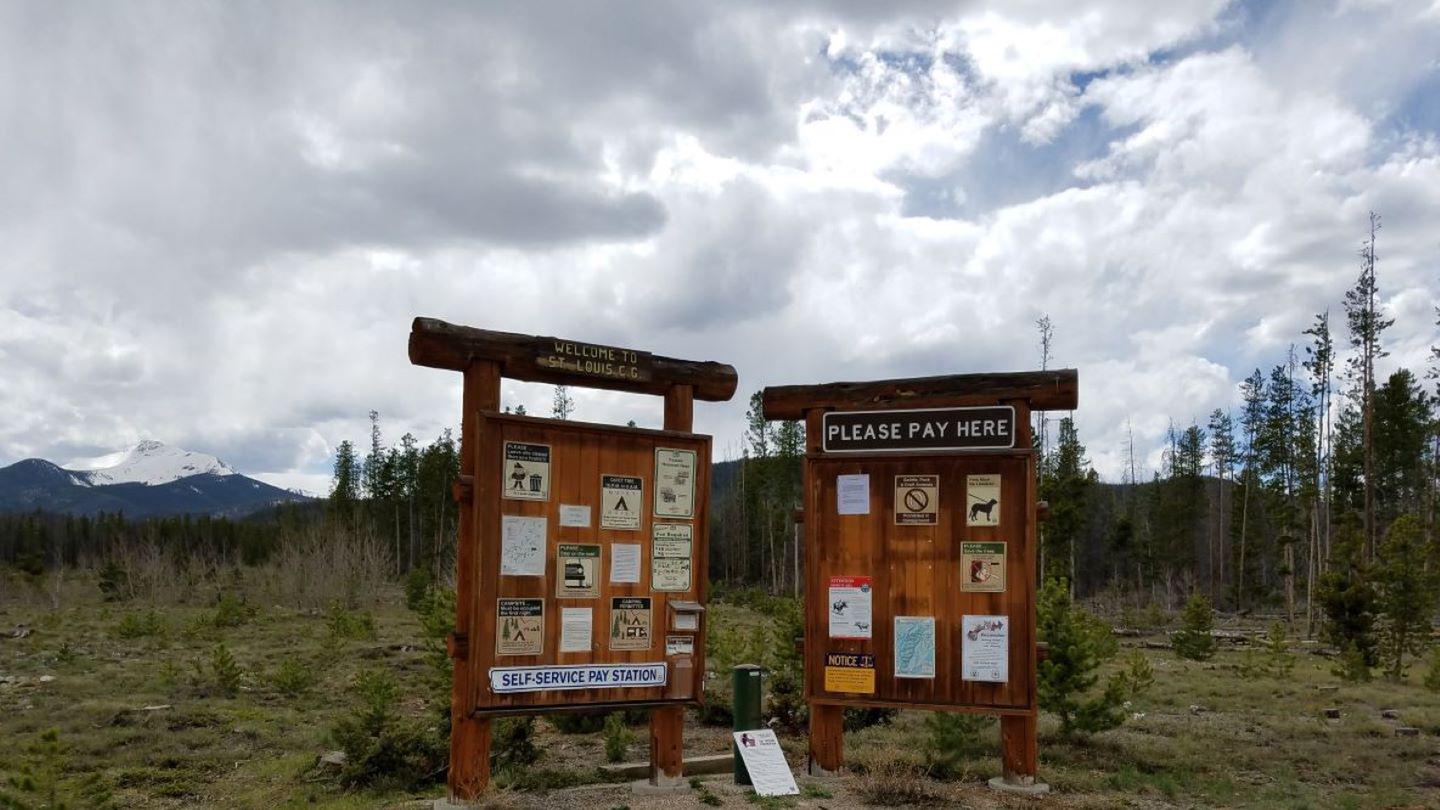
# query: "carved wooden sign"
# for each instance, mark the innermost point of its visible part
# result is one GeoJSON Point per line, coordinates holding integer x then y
{"type": "Point", "coordinates": [592, 359]}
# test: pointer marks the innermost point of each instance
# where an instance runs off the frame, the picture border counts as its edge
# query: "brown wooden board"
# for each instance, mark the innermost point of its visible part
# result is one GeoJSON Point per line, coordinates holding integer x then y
{"type": "Point", "coordinates": [581, 453]}
{"type": "Point", "coordinates": [916, 571]}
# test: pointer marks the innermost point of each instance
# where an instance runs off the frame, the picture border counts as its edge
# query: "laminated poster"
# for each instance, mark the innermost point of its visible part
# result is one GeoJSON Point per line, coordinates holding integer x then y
{"type": "Point", "coordinates": [914, 646]}
{"type": "Point", "coordinates": [526, 471]}
{"type": "Point", "coordinates": [519, 626]}
{"type": "Point", "coordinates": [630, 623]}
{"type": "Point", "coordinates": [579, 571]}
{"type": "Point", "coordinates": [674, 483]}
{"type": "Point", "coordinates": [985, 648]}
{"type": "Point", "coordinates": [850, 601]}
{"type": "Point", "coordinates": [621, 501]}
{"type": "Point", "coordinates": [522, 546]}
{"type": "Point", "coordinates": [982, 496]}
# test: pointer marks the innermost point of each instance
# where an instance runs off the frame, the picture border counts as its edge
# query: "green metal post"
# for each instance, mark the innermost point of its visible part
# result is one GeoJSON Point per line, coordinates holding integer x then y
{"type": "Point", "coordinates": [746, 697]}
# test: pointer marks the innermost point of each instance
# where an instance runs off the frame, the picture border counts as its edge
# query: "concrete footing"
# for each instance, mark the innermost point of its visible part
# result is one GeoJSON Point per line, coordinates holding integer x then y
{"type": "Point", "coordinates": [815, 770]}
{"type": "Point", "coordinates": [1028, 788]}
{"type": "Point", "coordinates": [662, 785]}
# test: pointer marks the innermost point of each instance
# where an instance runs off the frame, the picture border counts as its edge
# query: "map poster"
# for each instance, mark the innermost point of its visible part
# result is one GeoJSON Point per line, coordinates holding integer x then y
{"type": "Point", "coordinates": [519, 626]}
{"type": "Point", "coordinates": [579, 569]}
{"type": "Point", "coordinates": [674, 483]}
{"type": "Point", "coordinates": [917, 500]}
{"type": "Point", "coordinates": [522, 546]}
{"type": "Point", "coordinates": [914, 646]}
{"type": "Point", "coordinates": [621, 502]}
{"type": "Point", "coordinates": [850, 672]}
{"type": "Point", "coordinates": [985, 648]}
{"type": "Point", "coordinates": [850, 600]}
{"type": "Point", "coordinates": [630, 623]}
{"type": "Point", "coordinates": [982, 500]}
{"type": "Point", "coordinates": [525, 473]}
{"type": "Point", "coordinates": [982, 567]}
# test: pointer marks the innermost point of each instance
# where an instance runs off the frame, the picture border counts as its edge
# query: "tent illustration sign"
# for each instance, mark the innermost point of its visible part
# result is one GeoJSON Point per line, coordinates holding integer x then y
{"type": "Point", "coordinates": [519, 626]}
{"type": "Point", "coordinates": [622, 500]}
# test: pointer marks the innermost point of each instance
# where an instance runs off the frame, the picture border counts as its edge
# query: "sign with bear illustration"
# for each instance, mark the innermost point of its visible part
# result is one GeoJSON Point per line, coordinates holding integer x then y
{"type": "Point", "coordinates": [526, 472]}
{"type": "Point", "coordinates": [982, 495]}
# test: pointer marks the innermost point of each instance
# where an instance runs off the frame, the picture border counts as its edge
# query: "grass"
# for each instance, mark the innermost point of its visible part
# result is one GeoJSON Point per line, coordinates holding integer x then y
{"type": "Point", "coordinates": [131, 706]}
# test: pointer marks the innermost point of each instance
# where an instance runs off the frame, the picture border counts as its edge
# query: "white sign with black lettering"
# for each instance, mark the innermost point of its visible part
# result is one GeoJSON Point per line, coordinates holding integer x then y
{"type": "Point", "coordinates": [622, 499]}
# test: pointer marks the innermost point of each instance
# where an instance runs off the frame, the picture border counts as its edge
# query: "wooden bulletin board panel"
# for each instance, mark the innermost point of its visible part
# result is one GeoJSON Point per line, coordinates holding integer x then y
{"type": "Point", "coordinates": [916, 571]}
{"type": "Point", "coordinates": [580, 453]}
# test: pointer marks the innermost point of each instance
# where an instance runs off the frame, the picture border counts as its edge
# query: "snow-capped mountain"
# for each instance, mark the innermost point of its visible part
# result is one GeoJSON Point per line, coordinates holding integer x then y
{"type": "Point", "coordinates": [149, 462]}
{"type": "Point", "coordinates": [146, 480]}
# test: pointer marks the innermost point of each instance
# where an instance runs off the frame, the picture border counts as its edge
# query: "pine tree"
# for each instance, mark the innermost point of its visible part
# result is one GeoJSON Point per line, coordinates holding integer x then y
{"type": "Point", "coordinates": [562, 406]}
{"type": "Point", "coordinates": [1222, 456]}
{"type": "Point", "coordinates": [1068, 490]}
{"type": "Point", "coordinates": [1406, 594]}
{"type": "Point", "coordinates": [345, 489]}
{"type": "Point", "coordinates": [1347, 596]}
{"type": "Point", "coordinates": [1194, 639]}
{"type": "Point", "coordinates": [1078, 645]}
{"type": "Point", "coordinates": [1252, 393]}
{"type": "Point", "coordinates": [1362, 315]}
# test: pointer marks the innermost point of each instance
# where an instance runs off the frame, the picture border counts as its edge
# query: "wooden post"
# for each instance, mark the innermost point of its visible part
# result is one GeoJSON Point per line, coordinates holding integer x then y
{"type": "Point", "coordinates": [667, 724]}
{"type": "Point", "coordinates": [469, 773]}
{"type": "Point", "coordinates": [1019, 746]}
{"type": "Point", "coordinates": [827, 722]}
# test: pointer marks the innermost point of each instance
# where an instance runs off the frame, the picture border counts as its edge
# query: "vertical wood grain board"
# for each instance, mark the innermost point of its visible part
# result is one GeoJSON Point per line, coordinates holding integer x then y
{"type": "Point", "coordinates": [917, 572]}
{"type": "Point", "coordinates": [580, 453]}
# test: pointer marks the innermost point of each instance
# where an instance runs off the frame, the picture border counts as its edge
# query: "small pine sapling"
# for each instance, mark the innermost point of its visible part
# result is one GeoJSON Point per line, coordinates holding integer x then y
{"type": "Point", "coordinates": [1432, 673]}
{"type": "Point", "coordinates": [1279, 661]}
{"type": "Point", "coordinates": [225, 671]}
{"type": "Point", "coordinates": [1079, 644]}
{"type": "Point", "coordinates": [1406, 593]}
{"type": "Point", "coordinates": [952, 739]}
{"type": "Point", "coordinates": [1194, 639]}
{"type": "Point", "coordinates": [618, 737]}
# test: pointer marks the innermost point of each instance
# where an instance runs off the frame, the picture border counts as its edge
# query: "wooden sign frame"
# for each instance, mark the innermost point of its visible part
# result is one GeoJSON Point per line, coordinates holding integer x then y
{"type": "Point", "coordinates": [910, 556]}
{"type": "Point", "coordinates": [484, 357]}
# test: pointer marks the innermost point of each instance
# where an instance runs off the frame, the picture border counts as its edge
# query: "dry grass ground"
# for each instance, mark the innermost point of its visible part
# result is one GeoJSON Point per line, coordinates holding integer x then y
{"type": "Point", "coordinates": [1204, 737]}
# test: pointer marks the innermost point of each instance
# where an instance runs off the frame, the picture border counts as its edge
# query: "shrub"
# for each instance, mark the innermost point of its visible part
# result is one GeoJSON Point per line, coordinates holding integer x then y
{"type": "Point", "coordinates": [715, 710]}
{"type": "Point", "coordinates": [892, 777]}
{"type": "Point", "coordinates": [1279, 661]}
{"type": "Point", "coordinates": [225, 671]}
{"type": "Point", "coordinates": [41, 782]}
{"type": "Point", "coordinates": [231, 611]}
{"type": "Point", "coordinates": [1350, 665]}
{"type": "Point", "coordinates": [1347, 596]}
{"type": "Point", "coordinates": [617, 738]}
{"type": "Point", "coordinates": [859, 718]}
{"type": "Point", "coordinates": [1432, 673]}
{"type": "Point", "coordinates": [1194, 640]}
{"type": "Point", "coordinates": [953, 738]}
{"type": "Point", "coordinates": [140, 625]}
{"type": "Point", "coordinates": [417, 588]}
{"type": "Point", "coordinates": [513, 743]}
{"type": "Point", "coordinates": [344, 624]}
{"type": "Point", "coordinates": [1079, 644]}
{"type": "Point", "coordinates": [114, 582]}
{"type": "Point", "coordinates": [382, 750]}
{"type": "Point", "coordinates": [293, 678]}
{"type": "Point", "coordinates": [578, 722]}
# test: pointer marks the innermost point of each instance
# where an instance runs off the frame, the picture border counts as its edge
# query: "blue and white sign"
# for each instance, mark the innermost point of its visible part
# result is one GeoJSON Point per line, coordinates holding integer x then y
{"type": "Point", "coordinates": [506, 680]}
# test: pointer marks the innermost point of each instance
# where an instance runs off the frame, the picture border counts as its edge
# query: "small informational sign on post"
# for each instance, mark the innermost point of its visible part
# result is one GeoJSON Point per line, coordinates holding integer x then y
{"type": "Point", "coordinates": [982, 567]}
{"type": "Point", "coordinates": [917, 500]}
{"type": "Point", "coordinates": [526, 471]}
{"type": "Point", "coordinates": [621, 501]}
{"type": "Point", "coordinates": [765, 761]}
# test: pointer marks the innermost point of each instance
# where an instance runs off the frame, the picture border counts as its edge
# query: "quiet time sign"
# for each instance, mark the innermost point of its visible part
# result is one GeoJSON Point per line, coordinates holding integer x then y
{"type": "Point", "coordinates": [987, 428]}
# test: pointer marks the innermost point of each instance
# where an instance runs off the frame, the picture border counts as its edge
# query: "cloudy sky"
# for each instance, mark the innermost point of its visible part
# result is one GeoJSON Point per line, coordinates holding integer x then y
{"type": "Point", "coordinates": [218, 219]}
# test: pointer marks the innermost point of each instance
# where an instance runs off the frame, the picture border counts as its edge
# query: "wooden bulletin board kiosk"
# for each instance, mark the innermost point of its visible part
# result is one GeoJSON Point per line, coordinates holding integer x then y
{"type": "Point", "coordinates": [920, 513]}
{"type": "Point", "coordinates": [581, 571]}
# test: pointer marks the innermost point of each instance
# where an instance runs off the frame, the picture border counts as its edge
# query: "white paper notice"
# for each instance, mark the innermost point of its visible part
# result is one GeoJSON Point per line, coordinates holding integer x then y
{"type": "Point", "coordinates": [574, 515]}
{"type": "Point", "coordinates": [522, 546]}
{"type": "Point", "coordinates": [985, 648]}
{"type": "Point", "coordinates": [769, 772]}
{"type": "Point", "coordinates": [852, 494]}
{"type": "Point", "coordinates": [850, 607]}
{"type": "Point", "coordinates": [576, 629]}
{"type": "Point", "coordinates": [625, 562]}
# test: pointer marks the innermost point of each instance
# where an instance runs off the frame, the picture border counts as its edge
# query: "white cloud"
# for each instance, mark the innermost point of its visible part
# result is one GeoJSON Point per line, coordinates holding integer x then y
{"type": "Point", "coordinates": [217, 238]}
